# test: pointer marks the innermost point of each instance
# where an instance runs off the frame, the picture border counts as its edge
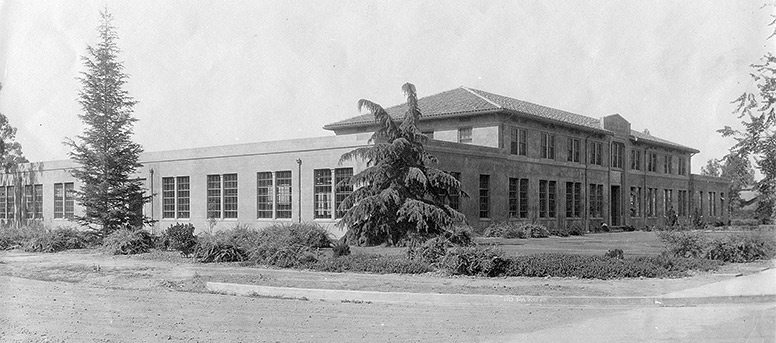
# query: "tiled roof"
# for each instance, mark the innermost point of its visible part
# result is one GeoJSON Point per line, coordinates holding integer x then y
{"type": "Point", "coordinates": [650, 138]}
{"type": "Point", "coordinates": [467, 100]}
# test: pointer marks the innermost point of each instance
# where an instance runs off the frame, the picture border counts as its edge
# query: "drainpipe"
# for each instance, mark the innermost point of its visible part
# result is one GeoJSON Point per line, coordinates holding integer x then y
{"type": "Point", "coordinates": [153, 223]}
{"type": "Point", "coordinates": [646, 151]}
{"type": "Point", "coordinates": [299, 187]}
{"type": "Point", "coordinates": [587, 187]}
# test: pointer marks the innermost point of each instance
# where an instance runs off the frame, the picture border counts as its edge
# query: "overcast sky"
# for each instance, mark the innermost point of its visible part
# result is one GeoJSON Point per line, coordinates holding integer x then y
{"type": "Point", "coordinates": [212, 73]}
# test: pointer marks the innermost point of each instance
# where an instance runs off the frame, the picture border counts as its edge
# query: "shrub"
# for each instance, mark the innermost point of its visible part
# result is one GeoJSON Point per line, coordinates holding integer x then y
{"type": "Point", "coordinates": [474, 260]}
{"type": "Point", "coordinates": [180, 237]}
{"type": "Point", "coordinates": [430, 251]}
{"type": "Point", "coordinates": [742, 248]}
{"type": "Point", "coordinates": [516, 230]}
{"type": "Point", "coordinates": [559, 231]}
{"type": "Point", "coordinates": [127, 241]}
{"type": "Point", "coordinates": [459, 235]}
{"type": "Point", "coordinates": [310, 235]}
{"type": "Point", "coordinates": [538, 231]}
{"type": "Point", "coordinates": [614, 253]}
{"type": "Point", "coordinates": [684, 243]}
{"type": "Point", "coordinates": [14, 237]}
{"type": "Point", "coordinates": [576, 230]}
{"type": "Point", "coordinates": [371, 263]}
{"type": "Point", "coordinates": [55, 240]}
{"type": "Point", "coordinates": [220, 247]}
{"type": "Point", "coordinates": [284, 245]}
{"type": "Point", "coordinates": [341, 249]}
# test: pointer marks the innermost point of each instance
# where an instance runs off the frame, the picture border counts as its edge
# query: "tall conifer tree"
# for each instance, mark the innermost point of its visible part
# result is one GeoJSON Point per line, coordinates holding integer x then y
{"type": "Point", "coordinates": [110, 194]}
{"type": "Point", "coordinates": [399, 193]}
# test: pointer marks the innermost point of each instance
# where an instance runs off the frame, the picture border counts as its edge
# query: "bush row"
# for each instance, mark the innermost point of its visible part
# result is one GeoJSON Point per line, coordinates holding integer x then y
{"type": "Point", "coordinates": [734, 247]}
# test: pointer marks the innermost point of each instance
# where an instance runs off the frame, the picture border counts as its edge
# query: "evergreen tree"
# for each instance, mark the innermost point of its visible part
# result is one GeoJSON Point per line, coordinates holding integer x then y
{"type": "Point", "coordinates": [110, 194]}
{"type": "Point", "coordinates": [398, 194]}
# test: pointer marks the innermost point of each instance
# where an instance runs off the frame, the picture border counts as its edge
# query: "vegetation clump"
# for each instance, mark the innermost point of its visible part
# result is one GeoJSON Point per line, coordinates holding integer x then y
{"type": "Point", "coordinates": [180, 237]}
{"type": "Point", "coordinates": [126, 241]}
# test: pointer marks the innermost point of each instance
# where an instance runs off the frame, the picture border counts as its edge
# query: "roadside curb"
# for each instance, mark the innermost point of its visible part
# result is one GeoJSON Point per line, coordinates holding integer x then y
{"type": "Point", "coordinates": [336, 295]}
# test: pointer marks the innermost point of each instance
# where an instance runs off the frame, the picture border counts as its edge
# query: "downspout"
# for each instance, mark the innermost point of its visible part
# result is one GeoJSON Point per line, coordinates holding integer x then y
{"type": "Point", "coordinates": [587, 187]}
{"type": "Point", "coordinates": [153, 223]}
{"type": "Point", "coordinates": [299, 187]}
{"type": "Point", "coordinates": [646, 151]}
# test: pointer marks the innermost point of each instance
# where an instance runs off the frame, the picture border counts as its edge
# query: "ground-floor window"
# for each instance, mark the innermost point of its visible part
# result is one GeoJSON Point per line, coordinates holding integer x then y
{"type": "Point", "coordinates": [484, 196]}
{"type": "Point", "coordinates": [63, 200]}
{"type": "Point", "coordinates": [222, 196]}
{"type": "Point", "coordinates": [264, 195]}
{"type": "Point", "coordinates": [650, 205]}
{"type": "Point", "coordinates": [33, 201]}
{"type": "Point", "coordinates": [547, 193]}
{"type": "Point", "coordinates": [454, 200]}
{"type": "Point", "coordinates": [10, 202]}
{"type": "Point", "coordinates": [668, 201]}
{"type": "Point", "coordinates": [322, 193]}
{"type": "Point", "coordinates": [596, 203]}
{"type": "Point", "coordinates": [712, 204]}
{"type": "Point", "coordinates": [682, 203]}
{"type": "Point", "coordinates": [343, 189]}
{"type": "Point", "coordinates": [573, 199]}
{"type": "Point", "coordinates": [283, 194]}
{"type": "Point", "coordinates": [635, 202]}
{"type": "Point", "coordinates": [176, 197]}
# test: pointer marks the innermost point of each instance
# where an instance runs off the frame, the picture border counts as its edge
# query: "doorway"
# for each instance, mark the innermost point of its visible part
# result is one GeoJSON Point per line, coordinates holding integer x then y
{"type": "Point", "coordinates": [614, 205]}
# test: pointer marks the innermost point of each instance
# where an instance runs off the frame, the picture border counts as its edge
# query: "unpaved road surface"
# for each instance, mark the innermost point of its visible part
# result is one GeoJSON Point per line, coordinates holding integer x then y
{"type": "Point", "coordinates": [83, 296]}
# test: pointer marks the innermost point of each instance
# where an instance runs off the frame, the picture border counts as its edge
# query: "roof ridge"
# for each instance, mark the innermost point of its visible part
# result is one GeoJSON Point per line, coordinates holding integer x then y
{"type": "Point", "coordinates": [482, 97]}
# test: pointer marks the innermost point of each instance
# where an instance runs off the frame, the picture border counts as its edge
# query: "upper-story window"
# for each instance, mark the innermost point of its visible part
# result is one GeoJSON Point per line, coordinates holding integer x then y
{"type": "Point", "coordinates": [682, 166]}
{"type": "Point", "coordinates": [652, 162]}
{"type": "Point", "coordinates": [573, 150]}
{"type": "Point", "coordinates": [636, 159]}
{"type": "Point", "coordinates": [596, 153]}
{"type": "Point", "coordinates": [548, 145]}
{"type": "Point", "coordinates": [668, 164]}
{"type": "Point", "coordinates": [617, 154]}
{"type": "Point", "coordinates": [465, 135]}
{"type": "Point", "coordinates": [517, 141]}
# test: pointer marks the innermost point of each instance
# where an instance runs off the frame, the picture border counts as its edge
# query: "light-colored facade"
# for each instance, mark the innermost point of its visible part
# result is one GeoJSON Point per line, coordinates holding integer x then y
{"type": "Point", "coordinates": [516, 160]}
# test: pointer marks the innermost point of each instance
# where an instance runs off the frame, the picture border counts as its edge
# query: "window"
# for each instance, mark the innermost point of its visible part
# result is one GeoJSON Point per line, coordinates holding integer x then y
{"type": "Point", "coordinates": [547, 198]}
{"type": "Point", "coordinates": [712, 204]}
{"type": "Point", "coordinates": [573, 200]}
{"type": "Point", "coordinates": [635, 159]}
{"type": "Point", "coordinates": [220, 204]}
{"type": "Point", "coordinates": [682, 166]}
{"type": "Point", "coordinates": [668, 201]}
{"type": "Point", "coordinates": [682, 203]}
{"type": "Point", "coordinates": [596, 153]}
{"type": "Point", "coordinates": [322, 193]}
{"type": "Point", "coordinates": [651, 201]}
{"type": "Point", "coordinates": [264, 195]}
{"type": "Point", "coordinates": [10, 202]}
{"type": "Point", "coordinates": [2, 202]}
{"type": "Point", "coordinates": [455, 199]}
{"type": "Point", "coordinates": [283, 194]}
{"type": "Point", "coordinates": [652, 162]}
{"type": "Point", "coordinates": [635, 201]}
{"type": "Point", "coordinates": [33, 201]}
{"type": "Point", "coordinates": [63, 200]}
{"type": "Point", "coordinates": [465, 135]}
{"type": "Point", "coordinates": [484, 196]}
{"type": "Point", "coordinates": [518, 198]}
{"type": "Point", "coordinates": [176, 202]}
{"type": "Point", "coordinates": [617, 155]}
{"type": "Point", "coordinates": [700, 202]}
{"type": "Point", "coordinates": [517, 141]}
{"type": "Point", "coordinates": [668, 165]}
{"type": "Point", "coordinates": [573, 150]}
{"type": "Point", "coordinates": [596, 201]}
{"type": "Point", "coordinates": [548, 145]}
{"type": "Point", "coordinates": [722, 204]}
{"type": "Point", "coordinates": [343, 189]}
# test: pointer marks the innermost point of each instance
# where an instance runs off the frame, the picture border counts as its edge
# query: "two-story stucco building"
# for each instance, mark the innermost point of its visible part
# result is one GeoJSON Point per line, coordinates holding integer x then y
{"type": "Point", "coordinates": [517, 161]}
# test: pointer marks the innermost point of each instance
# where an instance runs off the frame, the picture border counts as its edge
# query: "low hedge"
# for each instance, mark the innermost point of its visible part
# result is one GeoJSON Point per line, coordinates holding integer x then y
{"type": "Point", "coordinates": [735, 247]}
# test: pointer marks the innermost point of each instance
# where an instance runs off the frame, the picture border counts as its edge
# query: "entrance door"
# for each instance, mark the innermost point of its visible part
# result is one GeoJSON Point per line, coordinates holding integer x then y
{"type": "Point", "coordinates": [614, 205]}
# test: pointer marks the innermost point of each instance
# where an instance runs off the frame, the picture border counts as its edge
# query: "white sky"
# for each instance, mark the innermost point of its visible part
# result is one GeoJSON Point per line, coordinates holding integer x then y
{"type": "Point", "coordinates": [213, 73]}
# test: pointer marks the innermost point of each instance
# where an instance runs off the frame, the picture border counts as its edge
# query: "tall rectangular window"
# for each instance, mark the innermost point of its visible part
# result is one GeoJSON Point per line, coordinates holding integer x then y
{"type": "Point", "coordinates": [343, 189]}
{"type": "Point", "coordinates": [635, 202]}
{"type": "Point", "coordinates": [551, 199]}
{"type": "Point", "coordinates": [668, 165]}
{"type": "Point", "coordinates": [230, 195]}
{"type": "Point", "coordinates": [682, 166]}
{"type": "Point", "coordinates": [514, 141]}
{"type": "Point", "coordinates": [668, 200]}
{"type": "Point", "coordinates": [455, 199]}
{"type": "Point", "coordinates": [700, 202]}
{"type": "Point", "coordinates": [214, 196]}
{"type": "Point", "coordinates": [10, 202]}
{"type": "Point", "coordinates": [682, 203]}
{"type": "Point", "coordinates": [523, 146]}
{"type": "Point", "coordinates": [617, 155]}
{"type": "Point", "coordinates": [652, 162]}
{"type": "Point", "coordinates": [548, 145]}
{"type": "Point", "coordinates": [2, 202]}
{"type": "Point", "coordinates": [38, 201]}
{"type": "Point", "coordinates": [264, 195]}
{"type": "Point", "coordinates": [547, 198]}
{"type": "Point", "coordinates": [484, 196]}
{"type": "Point", "coordinates": [59, 201]}
{"type": "Point", "coordinates": [322, 193]}
{"type": "Point", "coordinates": [283, 194]}
{"type": "Point", "coordinates": [596, 153]}
{"type": "Point", "coordinates": [69, 200]}
{"type": "Point", "coordinates": [651, 202]}
{"type": "Point", "coordinates": [29, 206]}
{"type": "Point", "coordinates": [176, 201]}
{"type": "Point", "coordinates": [596, 200]}
{"type": "Point", "coordinates": [573, 199]}
{"type": "Point", "coordinates": [523, 198]}
{"type": "Point", "coordinates": [635, 159]}
{"type": "Point", "coordinates": [465, 135]}
{"type": "Point", "coordinates": [513, 197]}
{"type": "Point", "coordinates": [542, 198]}
{"type": "Point", "coordinates": [712, 204]}
{"type": "Point", "coordinates": [573, 150]}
